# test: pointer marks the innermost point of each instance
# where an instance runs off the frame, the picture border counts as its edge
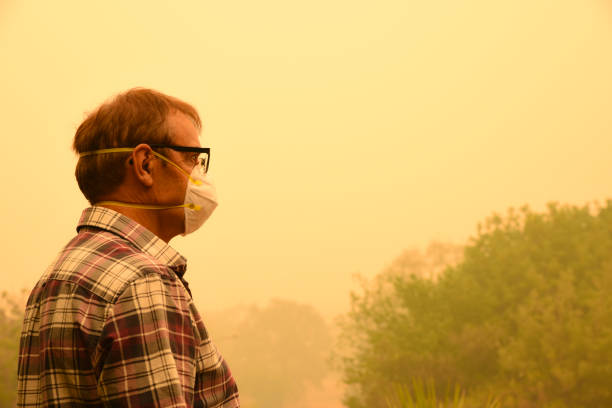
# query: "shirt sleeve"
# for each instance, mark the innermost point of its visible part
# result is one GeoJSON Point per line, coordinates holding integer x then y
{"type": "Point", "coordinates": [148, 348]}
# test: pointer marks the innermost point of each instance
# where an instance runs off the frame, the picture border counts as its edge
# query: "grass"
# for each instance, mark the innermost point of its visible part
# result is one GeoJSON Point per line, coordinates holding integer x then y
{"type": "Point", "coordinates": [423, 395]}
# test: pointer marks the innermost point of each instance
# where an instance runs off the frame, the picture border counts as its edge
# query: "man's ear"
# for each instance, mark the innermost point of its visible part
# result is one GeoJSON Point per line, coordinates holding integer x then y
{"type": "Point", "coordinates": [141, 162]}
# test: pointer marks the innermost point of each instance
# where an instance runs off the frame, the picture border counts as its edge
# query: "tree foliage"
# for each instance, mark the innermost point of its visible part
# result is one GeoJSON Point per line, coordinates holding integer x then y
{"type": "Point", "coordinates": [525, 315]}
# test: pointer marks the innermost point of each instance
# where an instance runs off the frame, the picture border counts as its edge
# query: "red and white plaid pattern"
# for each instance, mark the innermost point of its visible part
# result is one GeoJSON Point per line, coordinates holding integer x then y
{"type": "Point", "coordinates": [112, 323]}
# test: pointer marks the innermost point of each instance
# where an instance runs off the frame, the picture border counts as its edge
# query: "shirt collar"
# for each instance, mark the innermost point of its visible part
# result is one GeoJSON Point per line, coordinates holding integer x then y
{"type": "Point", "coordinates": [139, 236]}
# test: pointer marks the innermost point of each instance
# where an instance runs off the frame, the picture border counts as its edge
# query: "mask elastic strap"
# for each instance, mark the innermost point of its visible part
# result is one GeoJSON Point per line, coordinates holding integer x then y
{"type": "Point", "coordinates": [150, 206]}
{"type": "Point", "coordinates": [131, 149]}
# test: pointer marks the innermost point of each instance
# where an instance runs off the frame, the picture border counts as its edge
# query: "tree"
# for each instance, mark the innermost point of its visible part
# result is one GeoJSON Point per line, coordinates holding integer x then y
{"type": "Point", "coordinates": [375, 341]}
{"type": "Point", "coordinates": [526, 315]}
{"type": "Point", "coordinates": [275, 352]}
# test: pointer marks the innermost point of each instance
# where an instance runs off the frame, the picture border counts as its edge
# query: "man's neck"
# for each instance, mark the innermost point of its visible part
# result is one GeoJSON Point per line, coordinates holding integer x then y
{"type": "Point", "coordinates": [156, 221]}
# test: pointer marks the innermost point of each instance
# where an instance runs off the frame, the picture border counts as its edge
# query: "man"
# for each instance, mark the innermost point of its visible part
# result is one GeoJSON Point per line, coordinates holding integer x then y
{"type": "Point", "coordinates": [112, 322]}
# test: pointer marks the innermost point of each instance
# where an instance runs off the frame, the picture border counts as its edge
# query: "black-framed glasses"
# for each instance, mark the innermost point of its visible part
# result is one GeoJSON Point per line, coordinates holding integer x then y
{"type": "Point", "coordinates": [203, 158]}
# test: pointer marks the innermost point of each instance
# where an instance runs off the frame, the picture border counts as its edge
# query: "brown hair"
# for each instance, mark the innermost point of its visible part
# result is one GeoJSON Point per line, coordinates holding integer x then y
{"type": "Point", "coordinates": [130, 118]}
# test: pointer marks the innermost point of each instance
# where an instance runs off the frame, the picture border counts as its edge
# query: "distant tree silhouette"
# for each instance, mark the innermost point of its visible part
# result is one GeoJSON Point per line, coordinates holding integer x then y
{"type": "Point", "coordinates": [276, 352]}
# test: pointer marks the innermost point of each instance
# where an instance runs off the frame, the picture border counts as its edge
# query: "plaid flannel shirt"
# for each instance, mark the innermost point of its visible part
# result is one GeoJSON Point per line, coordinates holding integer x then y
{"type": "Point", "coordinates": [112, 323]}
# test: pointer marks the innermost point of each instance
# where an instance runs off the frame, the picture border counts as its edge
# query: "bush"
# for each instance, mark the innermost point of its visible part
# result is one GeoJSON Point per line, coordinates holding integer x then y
{"type": "Point", "coordinates": [11, 316]}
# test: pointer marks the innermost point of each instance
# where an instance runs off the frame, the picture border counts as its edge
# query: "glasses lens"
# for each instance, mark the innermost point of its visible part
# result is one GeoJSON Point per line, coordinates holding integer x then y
{"type": "Point", "coordinates": [203, 162]}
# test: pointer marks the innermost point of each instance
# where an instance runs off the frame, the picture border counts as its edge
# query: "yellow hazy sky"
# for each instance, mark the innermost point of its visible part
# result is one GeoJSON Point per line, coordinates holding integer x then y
{"type": "Point", "coordinates": [342, 132]}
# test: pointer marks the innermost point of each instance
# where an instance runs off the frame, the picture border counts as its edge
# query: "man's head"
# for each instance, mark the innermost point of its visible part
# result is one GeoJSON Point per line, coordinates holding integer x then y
{"type": "Point", "coordinates": [129, 119]}
{"type": "Point", "coordinates": [122, 166]}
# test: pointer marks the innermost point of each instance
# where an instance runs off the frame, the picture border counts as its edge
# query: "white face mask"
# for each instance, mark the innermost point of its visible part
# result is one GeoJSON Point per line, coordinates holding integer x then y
{"type": "Point", "coordinates": [200, 200]}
